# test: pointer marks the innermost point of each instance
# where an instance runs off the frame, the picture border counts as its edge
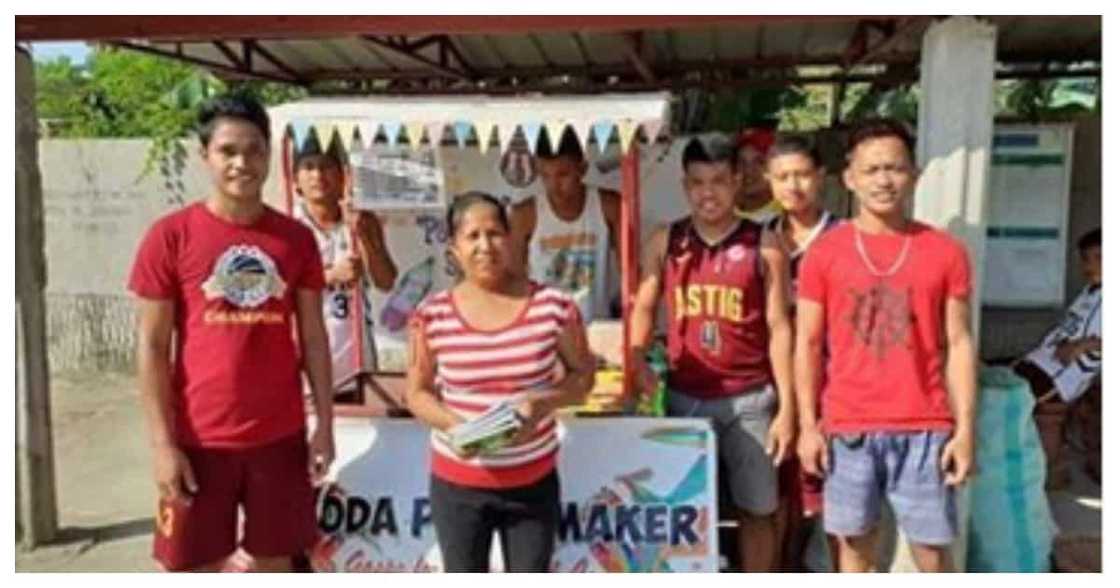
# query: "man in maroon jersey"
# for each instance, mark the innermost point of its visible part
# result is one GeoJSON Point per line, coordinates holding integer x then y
{"type": "Point", "coordinates": [725, 290]}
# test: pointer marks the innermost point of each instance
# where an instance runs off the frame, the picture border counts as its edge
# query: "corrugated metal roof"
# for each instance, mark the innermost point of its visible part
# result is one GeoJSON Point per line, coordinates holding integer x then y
{"type": "Point", "coordinates": [597, 59]}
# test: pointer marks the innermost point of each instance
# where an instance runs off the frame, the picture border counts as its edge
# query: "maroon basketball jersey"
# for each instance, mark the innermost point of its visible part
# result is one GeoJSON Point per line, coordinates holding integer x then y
{"type": "Point", "coordinates": [718, 337]}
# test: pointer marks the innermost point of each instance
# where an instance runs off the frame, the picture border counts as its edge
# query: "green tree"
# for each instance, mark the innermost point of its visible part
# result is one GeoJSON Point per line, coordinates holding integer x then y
{"type": "Point", "coordinates": [124, 94]}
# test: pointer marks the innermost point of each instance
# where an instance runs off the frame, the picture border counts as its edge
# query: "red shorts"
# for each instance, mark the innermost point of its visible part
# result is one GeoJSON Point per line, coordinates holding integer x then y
{"type": "Point", "coordinates": [804, 492]}
{"type": "Point", "coordinates": [272, 486]}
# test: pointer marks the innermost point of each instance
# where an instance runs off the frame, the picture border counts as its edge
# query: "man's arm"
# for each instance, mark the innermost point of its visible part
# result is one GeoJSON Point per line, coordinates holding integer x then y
{"type": "Point", "coordinates": [376, 261]}
{"type": "Point", "coordinates": [643, 315]}
{"type": "Point", "coordinates": [317, 363]}
{"type": "Point", "coordinates": [807, 359]}
{"type": "Point", "coordinates": [775, 277]}
{"type": "Point", "coordinates": [173, 474]}
{"type": "Point", "coordinates": [957, 459]}
{"type": "Point", "coordinates": [522, 223]}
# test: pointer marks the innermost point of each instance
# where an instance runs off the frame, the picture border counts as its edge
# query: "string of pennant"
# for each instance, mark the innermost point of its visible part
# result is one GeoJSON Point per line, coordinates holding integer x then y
{"type": "Point", "coordinates": [358, 134]}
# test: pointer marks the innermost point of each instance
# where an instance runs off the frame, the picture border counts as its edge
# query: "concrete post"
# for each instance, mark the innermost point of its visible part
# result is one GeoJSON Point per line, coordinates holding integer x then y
{"type": "Point", "coordinates": [36, 508]}
{"type": "Point", "coordinates": [954, 143]}
{"type": "Point", "coordinates": [955, 135]}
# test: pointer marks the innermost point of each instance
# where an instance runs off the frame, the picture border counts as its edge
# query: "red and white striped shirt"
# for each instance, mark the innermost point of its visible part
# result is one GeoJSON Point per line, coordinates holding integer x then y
{"type": "Point", "coordinates": [477, 368]}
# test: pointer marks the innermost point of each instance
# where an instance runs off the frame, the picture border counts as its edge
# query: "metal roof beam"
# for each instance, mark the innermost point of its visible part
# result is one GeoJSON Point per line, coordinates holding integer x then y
{"type": "Point", "coordinates": [276, 62]}
{"type": "Point", "coordinates": [211, 65]}
{"type": "Point", "coordinates": [229, 53]}
{"type": "Point", "coordinates": [632, 48]}
{"type": "Point", "coordinates": [402, 50]}
{"type": "Point", "coordinates": [686, 81]}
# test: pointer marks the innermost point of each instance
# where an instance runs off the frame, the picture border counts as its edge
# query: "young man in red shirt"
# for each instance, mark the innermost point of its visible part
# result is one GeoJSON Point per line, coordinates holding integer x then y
{"type": "Point", "coordinates": [723, 283]}
{"type": "Point", "coordinates": [889, 297]}
{"type": "Point", "coordinates": [223, 279]}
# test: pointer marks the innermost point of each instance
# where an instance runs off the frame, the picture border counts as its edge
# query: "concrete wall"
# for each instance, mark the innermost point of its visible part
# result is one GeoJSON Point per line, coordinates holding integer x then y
{"type": "Point", "coordinates": [96, 210]}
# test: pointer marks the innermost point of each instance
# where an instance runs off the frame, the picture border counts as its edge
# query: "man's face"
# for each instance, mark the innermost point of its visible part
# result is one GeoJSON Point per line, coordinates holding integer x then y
{"type": "Point", "coordinates": [562, 177]}
{"type": "Point", "coordinates": [710, 189]}
{"type": "Point", "coordinates": [1091, 265]}
{"type": "Point", "coordinates": [751, 168]}
{"type": "Point", "coordinates": [795, 181]}
{"type": "Point", "coordinates": [319, 178]}
{"type": "Point", "coordinates": [881, 175]}
{"type": "Point", "coordinates": [237, 158]}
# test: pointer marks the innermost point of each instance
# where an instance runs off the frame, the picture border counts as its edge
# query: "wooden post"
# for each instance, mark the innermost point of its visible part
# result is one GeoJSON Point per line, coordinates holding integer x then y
{"type": "Point", "coordinates": [36, 508]}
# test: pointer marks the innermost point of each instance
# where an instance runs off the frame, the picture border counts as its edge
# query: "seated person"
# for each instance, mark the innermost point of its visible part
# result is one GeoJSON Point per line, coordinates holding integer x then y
{"type": "Point", "coordinates": [1068, 360]}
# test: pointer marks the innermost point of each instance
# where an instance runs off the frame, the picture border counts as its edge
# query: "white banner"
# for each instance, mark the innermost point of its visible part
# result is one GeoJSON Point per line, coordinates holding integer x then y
{"type": "Point", "coordinates": [649, 505]}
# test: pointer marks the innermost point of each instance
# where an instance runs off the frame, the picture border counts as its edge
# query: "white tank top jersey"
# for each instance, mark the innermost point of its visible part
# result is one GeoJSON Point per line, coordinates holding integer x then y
{"type": "Point", "coordinates": [1082, 319]}
{"type": "Point", "coordinates": [338, 309]}
{"type": "Point", "coordinates": [574, 256]}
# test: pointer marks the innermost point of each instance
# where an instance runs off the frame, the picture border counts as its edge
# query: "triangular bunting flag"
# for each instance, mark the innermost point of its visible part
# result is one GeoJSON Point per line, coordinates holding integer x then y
{"type": "Point", "coordinates": [626, 131]}
{"type": "Point", "coordinates": [555, 133]}
{"type": "Point", "coordinates": [582, 129]}
{"type": "Point", "coordinates": [415, 133]}
{"type": "Point", "coordinates": [368, 131]}
{"type": "Point", "coordinates": [435, 134]}
{"type": "Point", "coordinates": [651, 128]}
{"type": "Point", "coordinates": [462, 130]}
{"type": "Point", "coordinates": [485, 131]}
{"type": "Point", "coordinates": [345, 130]}
{"type": "Point", "coordinates": [505, 135]}
{"type": "Point", "coordinates": [602, 133]}
{"type": "Point", "coordinates": [324, 129]}
{"type": "Point", "coordinates": [532, 132]}
{"type": "Point", "coordinates": [392, 130]}
{"type": "Point", "coordinates": [300, 129]}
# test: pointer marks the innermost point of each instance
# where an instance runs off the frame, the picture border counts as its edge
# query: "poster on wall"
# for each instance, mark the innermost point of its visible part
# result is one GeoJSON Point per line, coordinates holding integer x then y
{"type": "Point", "coordinates": [398, 178]}
{"type": "Point", "coordinates": [651, 507]}
{"type": "Point", "coordinates": [1025, 253]}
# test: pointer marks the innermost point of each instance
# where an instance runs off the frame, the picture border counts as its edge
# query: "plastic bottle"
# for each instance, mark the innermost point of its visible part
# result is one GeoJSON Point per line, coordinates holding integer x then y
{"type": "Point", "coordinates": [410, 290]}
{"type": "Point", "coordinates": [654, 405]}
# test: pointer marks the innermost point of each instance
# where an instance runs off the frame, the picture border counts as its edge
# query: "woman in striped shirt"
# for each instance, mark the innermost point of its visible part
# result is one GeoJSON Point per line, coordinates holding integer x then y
{"type": "Point", "coordinates": [495, 337]}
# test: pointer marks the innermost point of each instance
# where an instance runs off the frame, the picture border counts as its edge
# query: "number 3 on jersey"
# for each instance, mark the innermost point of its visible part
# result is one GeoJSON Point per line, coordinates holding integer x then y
{"type": "Point", "coordinates": [340, 304]}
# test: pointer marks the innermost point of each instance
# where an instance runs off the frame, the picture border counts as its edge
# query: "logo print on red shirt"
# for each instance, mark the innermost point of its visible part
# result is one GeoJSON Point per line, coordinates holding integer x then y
{"type": "Point", "coordinates": [245, 276]}
{"type": "Point", "coordinates": [881, 318]}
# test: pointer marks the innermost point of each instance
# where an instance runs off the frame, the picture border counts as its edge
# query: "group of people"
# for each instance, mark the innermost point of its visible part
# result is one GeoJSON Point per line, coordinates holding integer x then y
{"type": "Point", "coordinates": [834, 358]}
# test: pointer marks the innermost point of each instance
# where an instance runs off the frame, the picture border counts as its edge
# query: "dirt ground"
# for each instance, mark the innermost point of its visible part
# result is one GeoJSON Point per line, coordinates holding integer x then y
{"type": "Point", "coordinates": [106, 498]}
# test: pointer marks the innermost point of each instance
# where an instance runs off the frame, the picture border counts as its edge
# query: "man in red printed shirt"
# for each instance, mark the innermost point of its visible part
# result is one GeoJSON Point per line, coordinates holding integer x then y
{"type": "Point", "coordinates": [889, 297]}
{"type": "Point", "coordinates": [222, 280]}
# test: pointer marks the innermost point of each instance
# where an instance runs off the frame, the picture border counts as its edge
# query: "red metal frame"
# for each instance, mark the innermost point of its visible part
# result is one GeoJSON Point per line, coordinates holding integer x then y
{"type": "Point", "coordinates": [631, 204]}
{"type": "Point", "coordinates": [210, 27]}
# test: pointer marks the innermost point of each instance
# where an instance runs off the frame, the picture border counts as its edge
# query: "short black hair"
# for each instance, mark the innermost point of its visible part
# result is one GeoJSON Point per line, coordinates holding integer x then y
{"type": "Point", "coordinates": [568, 146]}
{"type": "Point", "coordinates": [234, 105]}
{"type": "Point", "coordinates": [710, 148]}
{"type": "Point", "coordinates": [466, 201]}
{"type": "Point", "coordinates": [1089, 240]}
{"type": "Point", "coordinates": [313, 146]}
{"type": "Point", "coordinates": [795, 145]}
{"type": "Point", "coordinates": [879, 128]}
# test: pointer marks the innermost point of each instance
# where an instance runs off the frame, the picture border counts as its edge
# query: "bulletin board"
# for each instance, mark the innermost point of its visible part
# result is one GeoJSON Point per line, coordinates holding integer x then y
{"type": "Point", "coordinates": [1025, 265]}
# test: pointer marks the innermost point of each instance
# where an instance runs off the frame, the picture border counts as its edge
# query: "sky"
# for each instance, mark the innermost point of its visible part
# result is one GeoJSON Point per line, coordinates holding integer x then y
{"type": "Point", "coordinates": [76, 51]}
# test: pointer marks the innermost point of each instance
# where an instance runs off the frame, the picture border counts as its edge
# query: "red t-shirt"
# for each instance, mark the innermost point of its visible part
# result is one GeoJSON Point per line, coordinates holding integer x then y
{"type": "Point", "coordinates": [885, 335]}
{"type": "Point", "coordinates": [236, 373]}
